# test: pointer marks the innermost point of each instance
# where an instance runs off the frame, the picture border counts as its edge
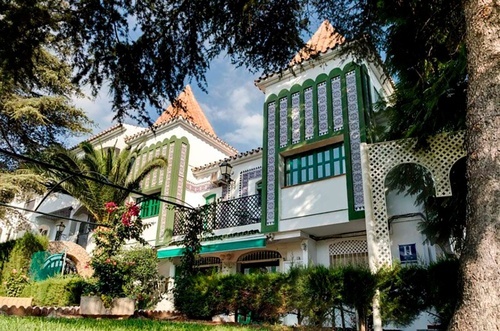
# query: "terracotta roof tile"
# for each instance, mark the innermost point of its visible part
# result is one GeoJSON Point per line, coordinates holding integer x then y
{"type": "Point", "coordinates": [241, 155]}
{"type": "Point", "coordinates": [188, 108]}
{"type": "Point", "coordinates": [323, 40]}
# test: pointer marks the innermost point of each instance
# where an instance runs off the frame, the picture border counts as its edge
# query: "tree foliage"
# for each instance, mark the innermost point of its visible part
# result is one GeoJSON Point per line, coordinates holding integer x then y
{"type": "Point", "coordinates": [145, 50]}
{"type": "Point", "coordinates": [105, 165]}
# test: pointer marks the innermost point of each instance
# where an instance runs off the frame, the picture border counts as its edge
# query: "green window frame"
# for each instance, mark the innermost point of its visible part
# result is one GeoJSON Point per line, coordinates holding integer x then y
{"type": "Point", "coordinates": [150, 207]}
{"type": "Point", "coordinates": [317, 164]}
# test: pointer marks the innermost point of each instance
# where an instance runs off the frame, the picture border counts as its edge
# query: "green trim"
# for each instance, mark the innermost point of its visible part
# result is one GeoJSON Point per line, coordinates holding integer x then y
{"type": "Point", "coordinates": [168, 215]}
{"type": "Point", "coordinates": [214, 248]}
{"type": "Point", "coordinates": [353, 214]}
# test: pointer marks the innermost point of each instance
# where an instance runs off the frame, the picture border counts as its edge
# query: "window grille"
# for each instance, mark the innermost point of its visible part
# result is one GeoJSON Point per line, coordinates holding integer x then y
{"type": "Point", "coordinates": [259, 256]}
{"type": "Point", "coordinates": [203, 261]}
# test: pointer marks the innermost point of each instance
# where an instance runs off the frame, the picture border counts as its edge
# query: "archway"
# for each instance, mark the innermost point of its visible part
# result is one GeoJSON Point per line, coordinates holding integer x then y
{"type": "Point", "coordinates": [378, 159]}
{"type": "Point", "coordinates": [78, 255]}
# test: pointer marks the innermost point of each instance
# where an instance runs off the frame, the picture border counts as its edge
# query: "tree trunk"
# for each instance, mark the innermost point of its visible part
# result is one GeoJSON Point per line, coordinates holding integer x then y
{"type": "Point", "coordinates": [479, 307]}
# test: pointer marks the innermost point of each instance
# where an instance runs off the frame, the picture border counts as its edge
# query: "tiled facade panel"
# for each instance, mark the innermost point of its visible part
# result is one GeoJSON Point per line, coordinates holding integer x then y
{"type": "Point", "coordinates": [355, 140]}
{"type": "Point", "coordinates": [271, 163]}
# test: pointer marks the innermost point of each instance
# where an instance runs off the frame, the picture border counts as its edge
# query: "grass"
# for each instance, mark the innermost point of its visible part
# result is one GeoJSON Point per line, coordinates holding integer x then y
{"type": "Point", "coordinates": [11, 323]}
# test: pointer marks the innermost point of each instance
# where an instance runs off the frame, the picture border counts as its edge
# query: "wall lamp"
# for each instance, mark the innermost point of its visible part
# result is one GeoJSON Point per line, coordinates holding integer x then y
{"type": "Point", "coordinates": [225, 171]}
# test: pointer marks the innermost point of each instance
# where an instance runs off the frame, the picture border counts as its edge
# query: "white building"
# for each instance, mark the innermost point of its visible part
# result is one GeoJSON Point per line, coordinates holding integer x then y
{"type": "Point", "coordinates": [299, 200]}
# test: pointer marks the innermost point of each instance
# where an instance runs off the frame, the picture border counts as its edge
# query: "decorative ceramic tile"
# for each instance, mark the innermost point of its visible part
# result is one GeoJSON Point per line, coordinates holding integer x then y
{"type": "Point", "coordinates": [338, 120]}
{"type": "Point", "coordinates": [283, 122]}
{"type": "Point", "coordinates": [271, 162]}
{"type": "Point", "coordinates": [182, 168]}
{"type": "Point", "coordinates": [355, 140]}
{"type": "Point", "coordinates": [199, 187]}
{"type": "Point", "coordinates": [245, 177]}
{"type": "Point", "coordinates": [322, 109]}
{"type": "Point", "coordinates": [296, 118]}
{"type": "Point", "coordinates": [309, 112]}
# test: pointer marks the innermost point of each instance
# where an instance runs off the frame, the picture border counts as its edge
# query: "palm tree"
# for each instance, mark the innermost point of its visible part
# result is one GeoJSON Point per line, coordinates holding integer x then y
{"type": "Point", "coordinates": [105, 165]}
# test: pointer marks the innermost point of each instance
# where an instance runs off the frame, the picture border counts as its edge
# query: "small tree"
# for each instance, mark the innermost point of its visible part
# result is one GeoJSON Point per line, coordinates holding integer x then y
{"type": "Point", "coordinates": [358, 291]}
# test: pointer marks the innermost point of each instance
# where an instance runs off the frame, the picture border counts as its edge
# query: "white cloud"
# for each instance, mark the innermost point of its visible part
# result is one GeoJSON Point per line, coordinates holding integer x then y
{"type": "Point", "coordinates": [233, 105]}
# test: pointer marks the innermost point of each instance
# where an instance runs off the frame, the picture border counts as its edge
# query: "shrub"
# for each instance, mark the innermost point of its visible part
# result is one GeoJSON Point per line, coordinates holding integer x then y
{"type": "Point", "coordinates": [5, 249]}
{"type": "Point", "coordinates": [443, 291]}
{"type": "Point", "coordinates": [18, 263]}
{"type": "Point", "coordinates": [142, 281]}
{"type": "Point", "coordinates": [58, 291]}
{"type": "Point", "coordinates": [193, 296]}
{"type": "Point", "coordinates": [403, 293]}
{"type": "Point", "coordinates": [203, 296]}
{"type": "Point", "coordinates": [359, 286]}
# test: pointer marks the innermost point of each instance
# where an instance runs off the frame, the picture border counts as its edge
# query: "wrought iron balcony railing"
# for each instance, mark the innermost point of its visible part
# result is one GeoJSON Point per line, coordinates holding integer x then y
{"type": "Point", "coordinates": [224, 214]}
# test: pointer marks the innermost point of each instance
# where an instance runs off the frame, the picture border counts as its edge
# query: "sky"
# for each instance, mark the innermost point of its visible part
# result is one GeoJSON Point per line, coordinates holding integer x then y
{"type": "Point", "coordinates": [233, 105]}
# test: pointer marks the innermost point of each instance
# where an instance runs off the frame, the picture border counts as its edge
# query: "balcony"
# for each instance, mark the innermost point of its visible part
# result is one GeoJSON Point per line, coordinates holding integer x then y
{"type": "Point", "coordinates": [225, 214]}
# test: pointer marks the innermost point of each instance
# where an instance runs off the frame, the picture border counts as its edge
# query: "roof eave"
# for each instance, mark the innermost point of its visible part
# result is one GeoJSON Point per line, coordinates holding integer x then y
{"type": "Point", "coordinates": [290, 71]}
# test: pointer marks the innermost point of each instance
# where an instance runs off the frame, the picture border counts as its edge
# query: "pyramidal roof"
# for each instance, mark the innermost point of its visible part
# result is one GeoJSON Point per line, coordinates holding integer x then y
{"type": "Point", "coordinates": [324, 39]}
{"type": "Point", "coordinates": [187, 107]}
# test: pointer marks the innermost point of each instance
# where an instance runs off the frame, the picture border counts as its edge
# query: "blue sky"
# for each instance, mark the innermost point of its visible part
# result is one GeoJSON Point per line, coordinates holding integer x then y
{"type": "Point", "coordinates": [233, 105]}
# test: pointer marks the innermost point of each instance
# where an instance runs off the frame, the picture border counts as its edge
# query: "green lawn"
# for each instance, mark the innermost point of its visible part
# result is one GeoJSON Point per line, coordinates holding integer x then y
{"type": "Point", "coordinates": [10, 323]}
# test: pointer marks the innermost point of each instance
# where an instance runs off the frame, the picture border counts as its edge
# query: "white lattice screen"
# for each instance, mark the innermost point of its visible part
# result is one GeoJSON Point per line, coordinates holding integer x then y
{"type": "Point", "coordinates": [444, 150]}
{"type": "Point", "coordinates": [348, 247]}
{"type": "Point", "coordinates": [349, 252]}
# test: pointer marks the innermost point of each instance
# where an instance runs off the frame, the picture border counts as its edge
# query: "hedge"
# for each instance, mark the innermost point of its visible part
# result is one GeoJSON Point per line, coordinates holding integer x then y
{"type": "Point", "coordinates": [314, 293]}
{"type": "Point", "coordinates": [56, 291]}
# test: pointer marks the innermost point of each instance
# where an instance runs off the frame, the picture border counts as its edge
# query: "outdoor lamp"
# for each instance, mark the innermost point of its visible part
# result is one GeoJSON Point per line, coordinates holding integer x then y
{"type": "Point", "coordinates": [59, 230]}
{"type": "Point", "coordinates": [60, 227]}
{"type": "Point", "coordinates": [225, 170]}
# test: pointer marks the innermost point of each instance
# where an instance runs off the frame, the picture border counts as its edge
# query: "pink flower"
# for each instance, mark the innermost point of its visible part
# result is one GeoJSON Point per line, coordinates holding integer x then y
{"type": "Point", "coordinates": [126, 219]}
{"type": "Point", "coordinates": [133, 208]}
{"type": "Point", "coordinates": [110, 206]}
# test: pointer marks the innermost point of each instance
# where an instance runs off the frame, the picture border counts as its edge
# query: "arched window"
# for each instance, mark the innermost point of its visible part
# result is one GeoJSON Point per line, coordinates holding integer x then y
{"type": "Point", "coordinates": [259, 262]}
{"type": "Point", "coordinates": [207, 265]}
{"type": "Point", "coordinates": [44, 230]}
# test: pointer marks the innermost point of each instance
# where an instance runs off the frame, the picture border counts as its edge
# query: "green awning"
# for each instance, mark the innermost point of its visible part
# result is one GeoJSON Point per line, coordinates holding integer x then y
{"type": "Point", "coordinates": [214, 248]}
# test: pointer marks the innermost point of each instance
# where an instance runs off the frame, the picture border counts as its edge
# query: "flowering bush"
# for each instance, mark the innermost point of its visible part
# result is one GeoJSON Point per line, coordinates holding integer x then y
{"type": "Point", "coordinates": [122, 224]}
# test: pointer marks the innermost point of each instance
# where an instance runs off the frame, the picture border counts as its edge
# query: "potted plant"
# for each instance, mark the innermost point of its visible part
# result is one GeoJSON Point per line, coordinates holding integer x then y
{"type": "Point", "coordinates": [122, 224]}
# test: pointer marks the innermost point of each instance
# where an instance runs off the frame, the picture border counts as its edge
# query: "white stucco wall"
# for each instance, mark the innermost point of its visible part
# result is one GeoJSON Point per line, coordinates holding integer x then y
{"type": "Point", "coordinates": [313, 204]}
